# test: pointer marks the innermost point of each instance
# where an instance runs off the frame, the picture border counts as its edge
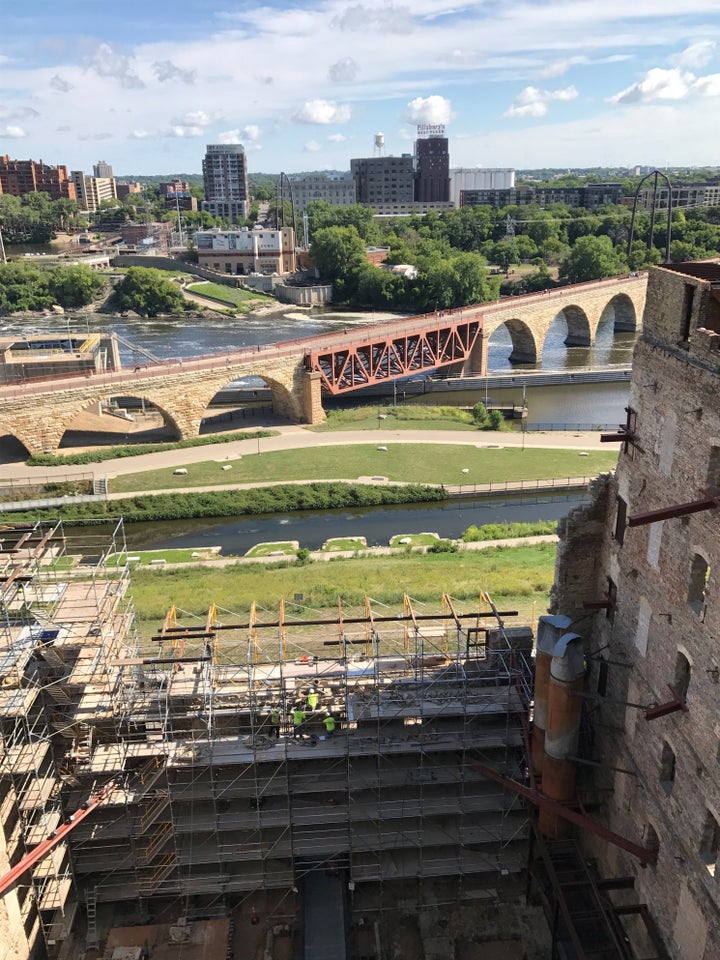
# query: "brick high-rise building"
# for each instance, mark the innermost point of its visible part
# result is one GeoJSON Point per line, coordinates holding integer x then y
{"type": "Point", "coordinates": [384, 180]}
{"type": "Point", "coordinates": [225, 175]}
{"type": "Point", "coordinates": [19, 177]}
{"type": "Point", "coordinates": [432, 171]}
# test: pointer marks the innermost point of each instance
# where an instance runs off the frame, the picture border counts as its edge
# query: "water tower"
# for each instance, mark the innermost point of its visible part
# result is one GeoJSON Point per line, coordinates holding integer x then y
{"type": "Point", "coordinates": [379, 145]}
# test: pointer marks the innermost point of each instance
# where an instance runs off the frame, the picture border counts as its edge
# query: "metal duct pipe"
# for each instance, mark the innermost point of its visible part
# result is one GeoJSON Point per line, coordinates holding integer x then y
{"type": "Point", "coordinates": [567, 676]}
{"type": "Point", "coordinates": [550, 629]}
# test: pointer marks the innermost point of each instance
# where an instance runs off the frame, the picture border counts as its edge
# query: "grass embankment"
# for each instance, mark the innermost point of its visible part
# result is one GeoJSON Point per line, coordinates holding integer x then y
{"type": "Point", "coordinates": [232, 296]}
{"type": "Point", "coordinates": [420, 463]}
{"type": "Point", "coordinates": [233, 503]}
{"type": "Point", "coordinates": [515, 577]}
{"type": "Point", "coordinates": [406, 417]}
{"type": "Point", "coordinates": [138, 450]}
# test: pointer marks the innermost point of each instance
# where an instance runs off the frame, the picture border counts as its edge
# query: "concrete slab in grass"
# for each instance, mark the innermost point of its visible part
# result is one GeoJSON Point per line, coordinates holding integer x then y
{"type": "Point", "coordinates": [414, 539]}
{"type": "Point", "coordinates": [281, 548]}
{"type": "Point", "coordinates": [345, 543]}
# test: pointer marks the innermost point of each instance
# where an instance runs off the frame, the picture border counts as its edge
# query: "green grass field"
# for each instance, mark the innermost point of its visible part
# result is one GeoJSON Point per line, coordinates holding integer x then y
{"type": "Point", "coordinates": [416, 539]}
{"type": "Point", "coordinates": [268, 549]}
{"type": "Point", "coordinates": [517, 578]}
{"type": "Point", "coordinates": [406, 417]}
{"type": "Point", "coordinates": [417, 463]}
{"type": "Point", "coordinates": [233, 296]}
{"type": "Point", "coordinates": [344, 543]}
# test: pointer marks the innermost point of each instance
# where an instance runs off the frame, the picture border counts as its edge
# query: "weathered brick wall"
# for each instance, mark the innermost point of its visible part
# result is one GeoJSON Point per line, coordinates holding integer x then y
{"type": "Point", "coordinates": [675, 392]}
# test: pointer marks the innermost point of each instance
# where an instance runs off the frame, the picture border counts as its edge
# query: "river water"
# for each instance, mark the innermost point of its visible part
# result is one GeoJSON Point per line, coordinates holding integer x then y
{"type": "Point", "coordinates": [311, 529]}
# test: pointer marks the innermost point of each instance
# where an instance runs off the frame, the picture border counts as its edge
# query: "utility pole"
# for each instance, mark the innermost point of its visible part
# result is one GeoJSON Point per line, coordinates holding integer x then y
{"type": "Point", "coordinates": [3, 258]}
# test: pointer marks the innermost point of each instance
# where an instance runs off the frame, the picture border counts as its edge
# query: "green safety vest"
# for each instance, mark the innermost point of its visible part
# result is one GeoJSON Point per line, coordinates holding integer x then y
{"type": "Point", "coordinates": [274, 716]}
{"type": "Point", "coordinates": [298, 717]}
{"type": "Point", "coordinates": [313, 700]}
{"type": "Point", "coordinates": [329, 724]}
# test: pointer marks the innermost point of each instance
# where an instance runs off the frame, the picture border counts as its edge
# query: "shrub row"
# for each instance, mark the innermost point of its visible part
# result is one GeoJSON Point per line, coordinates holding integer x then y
{"type": "Point", "coordinates": [231, 503]}
{"type": "Point", "coordinates": [116, 453]}
{"type": "Point", "coordinates": [502, 531]}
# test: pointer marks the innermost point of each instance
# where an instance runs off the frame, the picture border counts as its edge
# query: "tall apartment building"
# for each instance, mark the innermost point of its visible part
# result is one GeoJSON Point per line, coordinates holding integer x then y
{"type": "Point", "coordinates": [338, 191]}
{"type": "Point", "coordinates": [590, 196]}
{"type": "Point", "coordinates": [226, 184]}
{"type": "Point", "coordinates": [683, 195]}
{"type": "Point", "coordinates": [432, 170]}
{"type": "Point", "coordinates": [18, 177]}
{"type": "Point", "coordinates": [103, 170]}
{"type": "Point", "coordinates": [384, 180]}
{"type": "Point", "coordinates": [91, 191]}
{"type": "Point", "coordinates": [479, 178]}
{"type": "Point", "coordinates": [647, 552]}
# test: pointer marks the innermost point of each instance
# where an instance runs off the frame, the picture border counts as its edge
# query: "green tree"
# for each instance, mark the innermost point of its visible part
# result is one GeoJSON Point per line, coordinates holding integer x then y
{"type": "Point", "coordinates": [23, 287]}
{"type": "Point", "coordinates": [338, 253]}
{"type": "Point", "coordinates": [74, 286]}
{"type": "Point", "coordinates": [592, 258]}
{"type": "Point", "coordinates": [148, 293]}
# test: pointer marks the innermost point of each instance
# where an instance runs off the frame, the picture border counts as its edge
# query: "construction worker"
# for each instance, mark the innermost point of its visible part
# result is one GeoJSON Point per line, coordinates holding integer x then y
{"type": "Point", "coordinates": [298, 719]}
{"type": "Point", "coordinates": [275, 723]}
{"type": "Point", "coordinates": [329, 722]}
{"type": "Point", "coordinates": [313, 699]}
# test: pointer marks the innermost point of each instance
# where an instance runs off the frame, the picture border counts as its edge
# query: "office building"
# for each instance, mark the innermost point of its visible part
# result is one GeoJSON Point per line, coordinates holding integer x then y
{"type": "Point", "coordinates": [591, 196]}
{"type": "Point", "coordinates": [91, 191]}
{"type": "Point", "coordinates": [247, 251]}
{"type": "Point", "coordinates": [384, 180]}
{"type": "Point", "coordinates": [103, 170]}
{"type": "Point", "coordinates": [339, 191]}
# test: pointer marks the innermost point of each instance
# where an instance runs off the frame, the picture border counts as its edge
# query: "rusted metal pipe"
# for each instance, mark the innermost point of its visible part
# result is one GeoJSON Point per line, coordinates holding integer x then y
{"type": "Point", "coordinates": [567, 676]}
{"type": "Point", "coordinates": [550, 629]}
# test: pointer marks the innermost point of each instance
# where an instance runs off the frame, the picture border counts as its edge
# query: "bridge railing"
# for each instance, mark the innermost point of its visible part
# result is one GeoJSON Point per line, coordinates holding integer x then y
{"type": "Point", "coordinates": [554, 484]}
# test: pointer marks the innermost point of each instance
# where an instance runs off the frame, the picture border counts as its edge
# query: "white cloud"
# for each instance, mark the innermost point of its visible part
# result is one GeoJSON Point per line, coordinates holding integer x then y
{"type": "Point", "coordinates": [322, 111]}
{"type": "Point", "coordinates": [248, 135]}
{"type": "Point", "coordinates": [362, 17]}
{"type": "Point", "coordinates": [17, 112]}
{"type": "Point", "coordinates": [344, 71]}
{"type": "Point", "coordinates": [432, 109]}
{"type": "Point", "coordinates": [533, 102]}
{"type": "Point", "coordinates": [166, 70]}
{"type": "Point", "coordinates": [137, 135]}
{"type": "Point", "coordinates": [181, 131]}
{"type": "Point", "coordinates": [670, 84]}
{"type": "Point", "coordinates": [62, 86]}
{"type": "Point", "coordinates": [558, 67]}
{"type": "Point", "coordinates": [108, 62]}
{"type": "Point", "coordinates": [12, 132]}
{"type": "Point", "coordinates": [696, 55]}
{"type": "Point", "coordinates": [196, 118]}
{"type": "Point", "coordinates": [337, 138]}
{"type": "Point", "coordinates": [312, 146]}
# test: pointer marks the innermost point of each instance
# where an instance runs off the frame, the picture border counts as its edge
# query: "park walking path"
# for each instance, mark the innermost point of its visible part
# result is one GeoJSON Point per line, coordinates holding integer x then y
{"type": "Point", "coordinates": [294, 437]}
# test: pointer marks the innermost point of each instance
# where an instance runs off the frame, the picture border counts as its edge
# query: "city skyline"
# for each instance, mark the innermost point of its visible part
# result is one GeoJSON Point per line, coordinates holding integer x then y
{"type": "Point", "coordinates": [306, 88]}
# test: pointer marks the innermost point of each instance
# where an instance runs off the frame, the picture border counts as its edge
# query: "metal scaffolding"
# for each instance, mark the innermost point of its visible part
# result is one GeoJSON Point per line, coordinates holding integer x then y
{"type": "Point", "coordinates": [218, 792]}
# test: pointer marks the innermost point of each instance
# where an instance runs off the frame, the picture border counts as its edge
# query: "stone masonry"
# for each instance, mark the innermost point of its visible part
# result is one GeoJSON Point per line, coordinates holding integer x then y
{"type": "Point", "coordinates": [662, 776]}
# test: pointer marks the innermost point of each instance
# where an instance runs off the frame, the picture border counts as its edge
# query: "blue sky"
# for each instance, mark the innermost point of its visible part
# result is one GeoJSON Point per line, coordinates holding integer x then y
{"type": "Point", "coordinates": [521, 83]}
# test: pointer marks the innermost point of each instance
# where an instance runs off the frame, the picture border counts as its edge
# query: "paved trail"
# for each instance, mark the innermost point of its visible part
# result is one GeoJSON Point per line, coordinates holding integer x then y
{"type": "Point", "coordinates": [299, 437]}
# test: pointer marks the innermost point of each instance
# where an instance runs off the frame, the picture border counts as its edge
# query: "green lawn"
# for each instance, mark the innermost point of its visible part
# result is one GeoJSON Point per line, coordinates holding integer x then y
{"type": "Point", "coordinates": [344, 543]}
{"type": "Point", "coordinates": [403, 417]}
{"type": "Point", "coordinates": [233, 296]}
{"type": "Point", "coordinates": [179, 555]}
{"type": "Point", "coordinates": [418, 463]}
{"type": "Point", "coordinates": [287, 547]}
{"type": "Point", "coordinates": [516, 578]}
{"type": "Point", "coordinates": [416, 539]}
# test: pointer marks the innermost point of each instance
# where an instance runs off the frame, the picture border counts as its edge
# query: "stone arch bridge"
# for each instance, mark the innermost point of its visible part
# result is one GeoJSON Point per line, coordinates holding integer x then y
{"type": "Point", "coordinates": [299, 372]}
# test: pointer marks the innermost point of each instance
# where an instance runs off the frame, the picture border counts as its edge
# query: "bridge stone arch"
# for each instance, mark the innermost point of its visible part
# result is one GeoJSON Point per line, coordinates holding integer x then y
{"type": "Point", "coordinates": [8, 428]}
{"type": "Point", "coordinates": [525, 345]}
{"type": "Point", "coordinates": [580, 328]}
{"type": "Point", "coordinates": [627, 318]}
{"type": "Point", "coordinates": [131, 391]}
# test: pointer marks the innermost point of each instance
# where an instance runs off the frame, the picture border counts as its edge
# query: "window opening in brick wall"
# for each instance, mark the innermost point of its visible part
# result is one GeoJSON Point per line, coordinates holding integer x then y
{"type": "Point", "coordinates": [713, 474]}
{"type": "Point", "coordinates": [681, 680]}
{"type": "Point", "coordinates": [699, 576]}
{"type": "Point", "coordinates": [602, 678]}
{"type": "Point", "coordinates": [710, 842]}
{"type": "Point", "coordinates": [667, 768]}
{"type": "Point", "coordinates": [652, 841]}
{"type": "Point", "coordinates": [620, 520]}
{"type": "Point", "coordinates": [688, 298]}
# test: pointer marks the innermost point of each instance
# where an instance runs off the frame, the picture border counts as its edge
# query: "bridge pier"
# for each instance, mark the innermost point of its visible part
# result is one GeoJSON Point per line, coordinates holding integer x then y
{"type": "Point", "coordinates": [312, 398]}
{"type": "Point", "coordinates": [477, 363]}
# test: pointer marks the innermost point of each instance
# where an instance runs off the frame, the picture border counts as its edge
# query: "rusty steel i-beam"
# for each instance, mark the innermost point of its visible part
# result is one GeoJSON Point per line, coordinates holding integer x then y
{"type": "Point", "coordinates": [437, 342]}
